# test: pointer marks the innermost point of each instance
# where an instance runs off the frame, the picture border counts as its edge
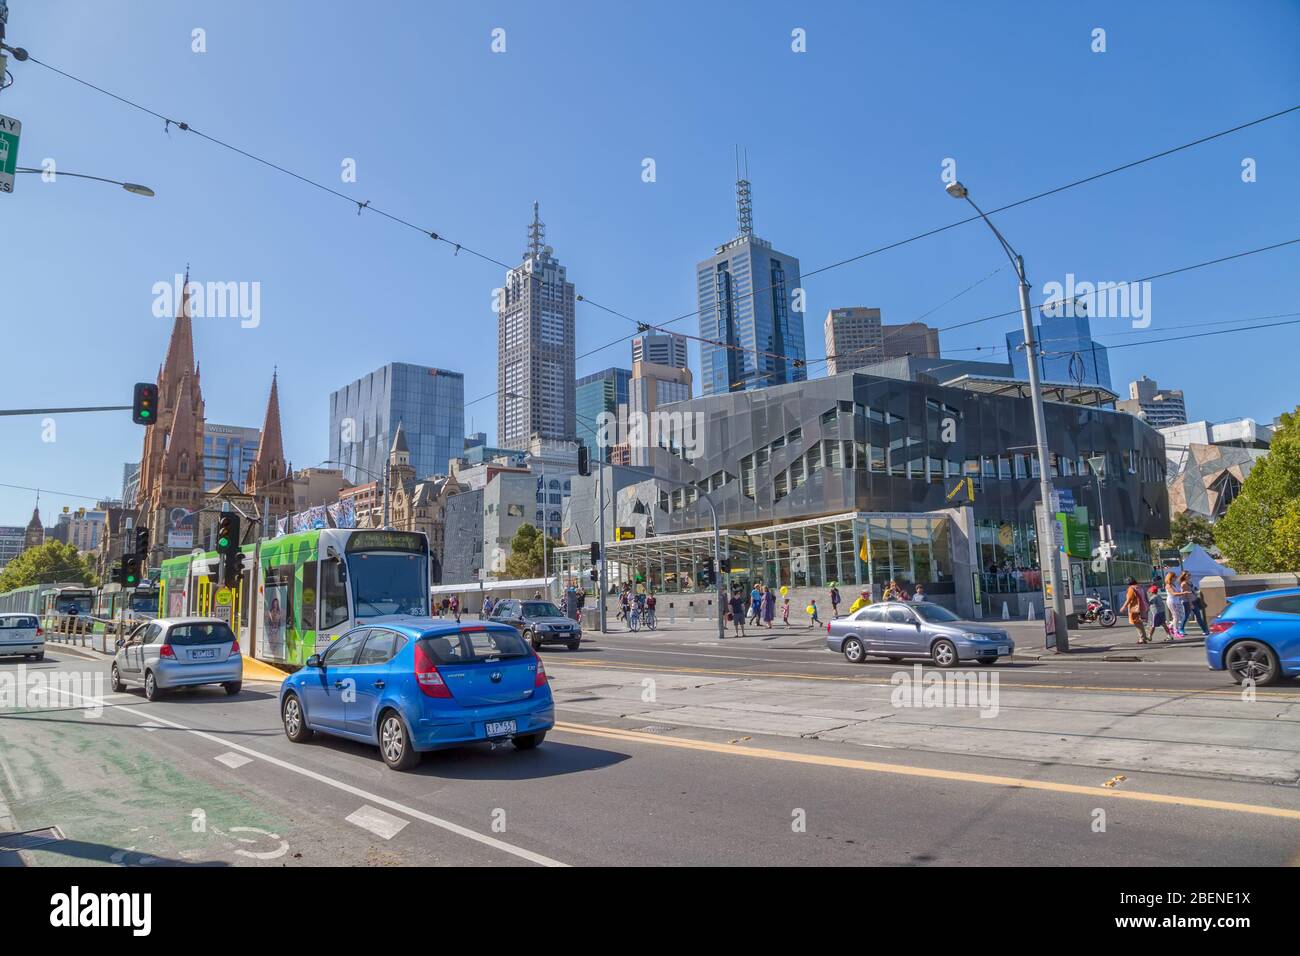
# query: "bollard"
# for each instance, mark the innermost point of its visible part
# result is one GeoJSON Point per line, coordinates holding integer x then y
{"type": "Point", "coordinates": [1006, 612]}
{"type": "Point", "coordinates": [1031, 611]}
{"type": "Point", "coordinates": [672, 612]}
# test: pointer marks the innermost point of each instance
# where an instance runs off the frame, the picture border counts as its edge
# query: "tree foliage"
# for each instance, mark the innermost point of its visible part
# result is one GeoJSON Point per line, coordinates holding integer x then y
{"type": "Point", "coordinates": [1186, 528]}
{"type": "Point", "coordinates": [1260, 532]}
{"type": "Point", "coordinates": [525, 559]}
{"type": "Point", "coordinates": [50, 562]}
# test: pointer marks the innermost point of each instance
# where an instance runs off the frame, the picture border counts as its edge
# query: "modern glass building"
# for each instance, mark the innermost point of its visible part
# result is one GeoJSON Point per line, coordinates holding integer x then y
{"type": "Point", "coordinates": [429, 404]}
{"type": "Point", "coordinates": [746, 293]}
{"type": "Point", "coordinates": [228, 453]}
{"type": "Point", "coordinates": [1067, 352]}
{"type": "Point", "coordinates": [600, 392]}
{"type": "Point", "coordinates": [859, 479]}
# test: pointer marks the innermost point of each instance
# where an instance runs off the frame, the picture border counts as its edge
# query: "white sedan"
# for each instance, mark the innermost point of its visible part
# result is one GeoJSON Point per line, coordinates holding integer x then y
{"type": "Point", "coordinates": [21, 636]}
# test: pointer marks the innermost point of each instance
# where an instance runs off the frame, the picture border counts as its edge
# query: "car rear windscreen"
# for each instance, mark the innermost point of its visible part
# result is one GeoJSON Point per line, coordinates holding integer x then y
{"type": "Point", "coordinates": [18, 621]}
{"type": "Point", "coordinates": [190, 635]}
{"type": "Point", "coordinates": [467, 648]}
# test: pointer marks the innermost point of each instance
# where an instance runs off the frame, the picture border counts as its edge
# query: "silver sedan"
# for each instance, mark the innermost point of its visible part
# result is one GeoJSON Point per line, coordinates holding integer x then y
{"type": "Point", "coordinates": [897, 630]}
{"type": "Point", "coordinates": [178, 652]}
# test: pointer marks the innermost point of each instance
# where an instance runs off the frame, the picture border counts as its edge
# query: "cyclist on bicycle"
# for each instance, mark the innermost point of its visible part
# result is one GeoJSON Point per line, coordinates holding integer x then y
{"type": "Point", "coordinates": [650, 611]}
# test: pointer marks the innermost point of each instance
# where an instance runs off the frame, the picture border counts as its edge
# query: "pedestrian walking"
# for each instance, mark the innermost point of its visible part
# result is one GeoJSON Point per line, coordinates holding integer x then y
{"type": "Point", "coordinates": [861, 601]}
{"type": "Point", "coordinates": [1174, 604]}
{"type": "Point", "coordinates": [1135, 605]}
{"type": "Point", "coordinates": [785, 610]}
{"type": "Point", "coordinates": [813, 619]}
{"type": "Point", "coordinates": [769, 606]}
{"type": "Point", "coordinates": [488, 604]}
{"type": "Point", "coordinates": [1196, 604]}
{"type": "Point", "coordinates": [755, 604]}
{"type": "Point", "coordinates": [835, 601]}
{"type": "Point", "coordinates": [1158, 615]}
{"type": "Point", "coordinates": [919, 594]}
{"type": "Point", "coordinates": [455, 608]}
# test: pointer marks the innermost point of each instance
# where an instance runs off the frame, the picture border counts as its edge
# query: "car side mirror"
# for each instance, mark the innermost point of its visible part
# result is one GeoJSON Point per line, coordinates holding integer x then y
{"type": "Point", "coordinates": [315, 661]}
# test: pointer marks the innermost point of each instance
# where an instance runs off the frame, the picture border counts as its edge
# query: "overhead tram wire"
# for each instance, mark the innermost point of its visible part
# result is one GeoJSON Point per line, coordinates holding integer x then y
{"type": "Point", "coordinates": [363, 206]}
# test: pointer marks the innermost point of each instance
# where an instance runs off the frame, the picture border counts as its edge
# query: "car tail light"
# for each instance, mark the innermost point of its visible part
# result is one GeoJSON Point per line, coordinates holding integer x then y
{"type": "Point", "coordinates": [540, 680]}
{"type": "Point", "coordinates": [234, 648]}
{"type": "Point", "coordinates": [1218, 627]}
{"type": "Point", "coordinates": [40, 632]}
{"type": "Point", "coordinates": [166, 651]}
{"type": "Point", "coordinates": [427, 676]}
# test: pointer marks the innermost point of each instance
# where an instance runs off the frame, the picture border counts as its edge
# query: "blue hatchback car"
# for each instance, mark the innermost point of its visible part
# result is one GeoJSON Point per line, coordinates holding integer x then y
{"type": "Point", "coordinates": [416, 684]}
{"type": "Point", "coordinates": [1257, 637]}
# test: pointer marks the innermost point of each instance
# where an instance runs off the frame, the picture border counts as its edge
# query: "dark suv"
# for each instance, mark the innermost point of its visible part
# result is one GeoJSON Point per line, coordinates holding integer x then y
{"type": "Point", "coordinates": [540, 622]}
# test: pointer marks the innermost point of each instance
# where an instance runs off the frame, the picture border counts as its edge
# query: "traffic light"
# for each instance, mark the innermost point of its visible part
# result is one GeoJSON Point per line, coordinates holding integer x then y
{"type": "Point", "coordinates": [706, 572]}
{"type": "Point", "coordinates": [724, 565]}
{"type": "Point", "coordinates": [141, 540]}
{"type": "Point", "coordinates": [144, 406]}
{"type": "Point", "coordinates": [115, 574]}
{"type": "Point", "coordinates": [131, 567]}
{"type": "Point", "coordinates": [595, 552]}
{"type": "Point", "coordinates": [234, 567]}
{"type": "Point", "coordinates": [227, 533]}
{"type": "Point", "coordinates": [595, 573]}
{"type": "Point", "coordinates": [584, 461]}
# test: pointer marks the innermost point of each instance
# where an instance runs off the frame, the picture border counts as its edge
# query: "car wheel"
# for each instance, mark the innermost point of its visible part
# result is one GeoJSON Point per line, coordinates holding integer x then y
{"type": "Point", "coordinates": [150, 686]}
{"type": "Point", "coordinates": [853, 651]}
{"type": "Point", "coordinates": [573, 645]}
{"type": "Point", "coordinates": [1252, 660]}
{"type": "Point", "coordinates": [40, 656]}
{"type": "Point", "coordinates": [534, 639]}
{"type": "Point", "coordinates": [395, 743]}
{"type": "Point", "coordinates": [988, 660]}
{"type": "Point", "coordinates": [529, 741]}
{"type": "Point", "coordinates": [295, 723]}
{"type": "Point", "coordinates": [115, 680]}
{"type": "Point", "coordinates": [233, 687]}
{"type": "Point", "coordinates": [944, 653]}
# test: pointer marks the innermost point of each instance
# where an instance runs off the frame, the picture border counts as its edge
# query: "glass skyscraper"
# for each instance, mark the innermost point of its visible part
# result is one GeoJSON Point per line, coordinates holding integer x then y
{"type": "Point", "coordinates": [429, 404]}
{"type": "Point", "coordinates": [228, 453]}
{"type": "Point", "coordinates": [1067, 352]}
{"type": "Point", "coordinates": [746, 296]}
{"type": "Point", "coordinates": [596, 393]}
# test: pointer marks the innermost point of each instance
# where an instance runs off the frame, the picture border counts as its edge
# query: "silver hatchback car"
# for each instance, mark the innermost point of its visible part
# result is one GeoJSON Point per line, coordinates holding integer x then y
{"type": "Point", "coordinates": [897, 629]}
{"type": "Point", "coordinates": [178, 652]}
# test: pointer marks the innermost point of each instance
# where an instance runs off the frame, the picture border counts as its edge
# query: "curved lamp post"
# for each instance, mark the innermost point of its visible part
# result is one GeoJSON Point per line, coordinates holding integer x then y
{"type": "Point", "coordinates": [135, 188]}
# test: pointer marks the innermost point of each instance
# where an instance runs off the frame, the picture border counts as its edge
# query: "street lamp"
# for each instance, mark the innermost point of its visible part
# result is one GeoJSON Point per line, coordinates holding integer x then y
{"type": "Point", "coordinates": [1049, 558]}
{"type": "Point", "coordinates": [135, 188]}
{"type": "Point", "coordinates": [1097, 464]}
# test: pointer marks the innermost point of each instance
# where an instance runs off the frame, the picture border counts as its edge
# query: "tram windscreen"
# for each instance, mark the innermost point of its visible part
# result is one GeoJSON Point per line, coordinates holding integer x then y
{"type": "Point", "coordinates": [72, 602]}
{"type": "Point", "coordinates": [388, 583]}
{"type": "Point", "coordinates": [145, 602]}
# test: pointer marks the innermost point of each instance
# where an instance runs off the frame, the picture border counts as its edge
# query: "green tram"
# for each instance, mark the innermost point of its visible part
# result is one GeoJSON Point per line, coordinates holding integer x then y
{"type": "Point", "coordinates": [114, 603]}
{"type": "Point", "coordinates": [300, 591]}
{"type": "Point", "coordinates": [49, 601]}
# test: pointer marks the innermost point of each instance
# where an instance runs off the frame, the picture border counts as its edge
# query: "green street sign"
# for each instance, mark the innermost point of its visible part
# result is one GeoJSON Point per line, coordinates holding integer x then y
{"type": "Point", "coordinates": [10, 130]}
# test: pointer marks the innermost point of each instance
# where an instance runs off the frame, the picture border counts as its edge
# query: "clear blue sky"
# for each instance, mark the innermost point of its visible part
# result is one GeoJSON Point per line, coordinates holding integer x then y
{"type": "Point", "coordinates": [845, 144]}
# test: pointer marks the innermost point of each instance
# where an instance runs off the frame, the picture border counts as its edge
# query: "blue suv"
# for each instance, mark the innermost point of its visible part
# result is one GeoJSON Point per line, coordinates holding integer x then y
{"type": "Point", "coordinates": [1257, 637]}
{"type": "Point", "coordinates": [418, 684]}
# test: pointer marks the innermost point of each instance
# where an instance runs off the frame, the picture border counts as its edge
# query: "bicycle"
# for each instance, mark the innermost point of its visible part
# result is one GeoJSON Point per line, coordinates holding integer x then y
{"type": "Point", "coordinates": [651, 621]}
{"type": "Point", "coordinates": [634, 620]}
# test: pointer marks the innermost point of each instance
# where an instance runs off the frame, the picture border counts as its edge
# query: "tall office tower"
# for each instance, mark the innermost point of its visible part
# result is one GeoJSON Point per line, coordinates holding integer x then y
{"type": "Point", "coordinates": [1160, 407]}
{"type": "Point", "coordinates": [228, 453]}
{"type": "Point", "coordinates": [661, 348]}
{"type": "Point", "coordinates": [747, 299]}
{"type": "Point", "coordinates": [596, 394]}
{"type": "Point", "coordinates": [652, 385]}
{"type": "Point", "coordinates": [535, 349]}
{"type": "Point", "coordinates": [429, 404]}
{"type": "Point", "coordinates": [853, 339]}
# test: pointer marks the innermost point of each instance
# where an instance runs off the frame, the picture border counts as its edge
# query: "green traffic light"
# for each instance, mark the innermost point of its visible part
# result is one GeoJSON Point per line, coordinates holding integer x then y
{"type": "Point", "coordinates": [144, 413]}
{"type": "Point", "coordinates": [223, 541]}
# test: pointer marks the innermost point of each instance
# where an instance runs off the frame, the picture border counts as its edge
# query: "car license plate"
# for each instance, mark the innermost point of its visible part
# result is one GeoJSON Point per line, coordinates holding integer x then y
{"type": "Point", "coordinates": [499, 728]}
{"type": "Point", "coordinates": [1004, 650]}
{"type": "Point", "coordinates": [202, 655]}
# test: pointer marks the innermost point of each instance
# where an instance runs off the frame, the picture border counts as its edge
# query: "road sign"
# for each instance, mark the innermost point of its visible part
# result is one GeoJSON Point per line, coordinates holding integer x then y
{"type": "Point", "coordinates": [624, 533]}
{"type": "Point", "coordinates": [967, 483]}
{"type": "Point", "coordinates": [10, 130]}
{"type": "Point", "coordinates": [1065, 500]}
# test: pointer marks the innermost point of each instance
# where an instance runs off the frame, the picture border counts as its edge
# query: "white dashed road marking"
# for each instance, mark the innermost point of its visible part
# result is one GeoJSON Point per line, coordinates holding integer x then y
{"type": "Point", "coordinates": [378, 822]}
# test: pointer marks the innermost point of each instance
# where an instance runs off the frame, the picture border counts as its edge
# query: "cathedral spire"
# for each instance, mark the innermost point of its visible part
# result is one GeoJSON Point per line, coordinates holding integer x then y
{"type": "Point", "coordinates": [268, 468]}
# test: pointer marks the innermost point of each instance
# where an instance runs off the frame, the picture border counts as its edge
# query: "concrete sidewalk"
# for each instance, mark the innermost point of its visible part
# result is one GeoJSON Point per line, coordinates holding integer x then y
{"type": "Point", "coordinates": [1118, 643]}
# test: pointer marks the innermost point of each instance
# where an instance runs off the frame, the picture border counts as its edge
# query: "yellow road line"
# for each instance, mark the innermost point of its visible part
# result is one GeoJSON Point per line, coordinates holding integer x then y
{"type": "Point", "coordinates": [904, 770]}
{"type": "Point", "coordinates": [674, 669]}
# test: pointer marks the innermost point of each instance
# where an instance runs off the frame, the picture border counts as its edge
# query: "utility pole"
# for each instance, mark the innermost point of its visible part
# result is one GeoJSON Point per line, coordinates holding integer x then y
{"type": "Point", "coordinates": [600, 499]}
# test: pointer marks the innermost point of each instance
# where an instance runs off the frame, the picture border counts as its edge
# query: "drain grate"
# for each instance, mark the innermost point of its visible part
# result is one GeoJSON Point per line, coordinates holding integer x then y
{"type": "Point", "coordinates": [29, 839]}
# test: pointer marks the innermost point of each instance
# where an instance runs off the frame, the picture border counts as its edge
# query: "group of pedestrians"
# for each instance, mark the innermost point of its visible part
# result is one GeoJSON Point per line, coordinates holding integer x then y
{"type": "Point", "coordinates": [636, 607]}
{"type": "Point", "coordinates": [1146, 609]}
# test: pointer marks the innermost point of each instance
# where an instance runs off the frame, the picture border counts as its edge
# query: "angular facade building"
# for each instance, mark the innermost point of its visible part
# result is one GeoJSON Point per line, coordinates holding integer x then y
{"type": "Point", "coordinates": [429, 404]}
{"type": "Point", "coordinates": [852, 479]}
{"type": "Point", "coordinates": [1067, 351]}
{"type": "Point", "coordinates": [600, 393]}
{"type": "Point", "coordinates": [747, 299]}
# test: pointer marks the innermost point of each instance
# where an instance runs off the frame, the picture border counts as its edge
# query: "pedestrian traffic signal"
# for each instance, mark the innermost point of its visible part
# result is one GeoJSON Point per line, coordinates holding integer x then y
{"type": "Point", "coordinates": [141, 540]}
{"type": "Point", "coordinates": [584, 461]}
{"type": "Point", "coordinates": [595, 573]}
{"type": "Point", "coordinates": [144, 406]}
{"type": "Point", "coordinates": [724, 565]}
{"type": "Point", "coordinates": [706, 572]}
{"type": "Point", "coordinates": [115, 574]}
{"type": "Point", "coordinates": [595, 552]}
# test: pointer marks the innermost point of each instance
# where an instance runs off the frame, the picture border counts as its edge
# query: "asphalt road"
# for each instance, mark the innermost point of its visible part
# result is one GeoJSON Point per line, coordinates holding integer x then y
{"type": "Point", "coordinates": [199, 777]}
